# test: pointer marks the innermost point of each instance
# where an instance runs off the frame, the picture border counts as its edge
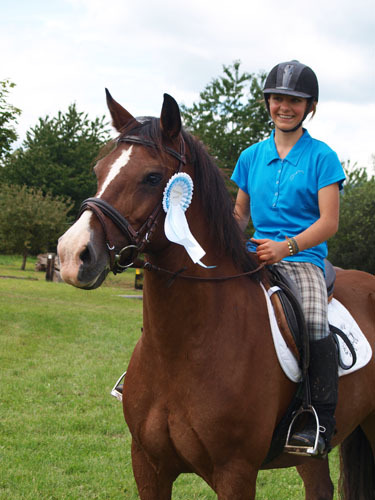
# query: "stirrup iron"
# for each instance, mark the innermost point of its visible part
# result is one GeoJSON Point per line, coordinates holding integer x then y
{"type": "Point", "coordinates": [309, 451]}
{"type": "Point", "coordinates": [117, 388]}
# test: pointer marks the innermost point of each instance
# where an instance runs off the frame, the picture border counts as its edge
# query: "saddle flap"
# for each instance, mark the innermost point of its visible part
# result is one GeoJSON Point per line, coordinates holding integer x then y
{"type": "Point", "coordinates": [285, 318]}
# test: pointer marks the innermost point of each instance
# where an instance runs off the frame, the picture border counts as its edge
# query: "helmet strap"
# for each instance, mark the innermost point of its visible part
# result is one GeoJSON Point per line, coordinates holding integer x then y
{"type": "Point", "coordinates": [292, 129]}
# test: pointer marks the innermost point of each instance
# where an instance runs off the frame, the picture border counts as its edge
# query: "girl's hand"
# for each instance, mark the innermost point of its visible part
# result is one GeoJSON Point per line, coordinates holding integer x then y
{"type": "Point", "coordinates": [270, 251]}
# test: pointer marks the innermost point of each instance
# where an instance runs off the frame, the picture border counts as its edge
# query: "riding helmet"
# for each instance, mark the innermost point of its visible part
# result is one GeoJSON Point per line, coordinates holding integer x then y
{"type": "Point", "coordinates": [292, 78]}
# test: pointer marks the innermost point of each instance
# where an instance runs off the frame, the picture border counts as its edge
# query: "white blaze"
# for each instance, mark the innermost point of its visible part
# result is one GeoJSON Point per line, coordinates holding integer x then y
{"type": "Point", "coordinates": [70, 246]}
{"type": "Point", "coordinates": [115, 169]}
{"type": "Point", "coordinates": [75, 240]}
{"type": "Point", "coordinates": [79, 233]}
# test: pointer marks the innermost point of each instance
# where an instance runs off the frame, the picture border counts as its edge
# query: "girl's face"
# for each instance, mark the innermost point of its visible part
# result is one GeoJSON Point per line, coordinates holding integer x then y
{"type": "Point", "coordinates": [287, 111]}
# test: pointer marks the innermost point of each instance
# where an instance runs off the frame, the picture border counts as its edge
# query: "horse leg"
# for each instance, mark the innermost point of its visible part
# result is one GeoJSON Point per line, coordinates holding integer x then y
{"type": "Point", "coordinates": [152, 483]}
{"type": "Point", "coordinates": [368, 427]}
{"type": "Point", "coordinates": [316, 479]}
{"type": "Point", "coordinates": [357, 479]}
{"type": "Point", "coordinates": [235, 481]}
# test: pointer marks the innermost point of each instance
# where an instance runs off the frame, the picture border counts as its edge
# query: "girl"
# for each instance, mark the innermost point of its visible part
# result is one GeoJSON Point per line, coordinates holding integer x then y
{"type": "Point", "coordinates": [289, 184]}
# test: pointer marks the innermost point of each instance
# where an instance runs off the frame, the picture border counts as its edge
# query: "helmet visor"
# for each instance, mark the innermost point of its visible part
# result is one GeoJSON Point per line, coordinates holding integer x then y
{"type": "Point", "coordinates": [284, 91]}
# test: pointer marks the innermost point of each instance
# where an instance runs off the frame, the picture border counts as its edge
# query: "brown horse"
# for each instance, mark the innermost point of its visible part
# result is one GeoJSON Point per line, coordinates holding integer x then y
{"type": "Point", "coordinates": [204, 390]}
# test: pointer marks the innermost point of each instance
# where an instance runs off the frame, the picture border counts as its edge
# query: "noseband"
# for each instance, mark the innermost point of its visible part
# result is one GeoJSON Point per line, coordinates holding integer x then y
{"type": "Point", "coordinates": [138, 239]}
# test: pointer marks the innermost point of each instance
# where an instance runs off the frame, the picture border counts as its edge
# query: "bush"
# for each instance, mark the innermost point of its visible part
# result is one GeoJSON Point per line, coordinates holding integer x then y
{"type": "Point", "coordinates": [30, 222]}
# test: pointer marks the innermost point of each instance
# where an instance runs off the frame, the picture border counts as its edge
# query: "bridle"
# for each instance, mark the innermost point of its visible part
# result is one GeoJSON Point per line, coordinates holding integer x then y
{"type": "Point", "coordinates": [138, 238]}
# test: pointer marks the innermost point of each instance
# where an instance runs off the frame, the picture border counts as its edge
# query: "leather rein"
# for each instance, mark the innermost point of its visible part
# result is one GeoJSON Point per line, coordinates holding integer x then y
{"type": "Point", "coordinates": [126, 257]}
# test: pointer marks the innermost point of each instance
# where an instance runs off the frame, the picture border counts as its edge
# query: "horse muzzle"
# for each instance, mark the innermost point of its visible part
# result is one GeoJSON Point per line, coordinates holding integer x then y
{"type": "Point", "coordinates": [83, 264]}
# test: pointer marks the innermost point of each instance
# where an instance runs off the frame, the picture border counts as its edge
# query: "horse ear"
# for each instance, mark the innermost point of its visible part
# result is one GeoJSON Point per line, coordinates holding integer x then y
{"type": "Point", "coordinates": [120, 117]}
{"type": "Point", "coordinates": [170, 118]}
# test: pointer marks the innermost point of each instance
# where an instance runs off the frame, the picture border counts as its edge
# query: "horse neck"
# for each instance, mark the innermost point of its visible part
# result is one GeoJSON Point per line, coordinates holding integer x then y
{"type": "Point", "coordinates": [183, 315]}
{"type": "Point", "coordinates": [176, 310]}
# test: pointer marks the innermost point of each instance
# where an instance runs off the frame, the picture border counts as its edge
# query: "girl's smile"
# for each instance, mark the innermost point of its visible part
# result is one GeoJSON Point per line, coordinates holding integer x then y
{"type": "Point", "coordinates": [287, 111]}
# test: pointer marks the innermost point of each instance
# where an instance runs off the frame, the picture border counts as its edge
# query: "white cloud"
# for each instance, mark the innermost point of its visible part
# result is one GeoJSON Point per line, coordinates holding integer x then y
{"type": "Point", "coordinates": [69, 50]}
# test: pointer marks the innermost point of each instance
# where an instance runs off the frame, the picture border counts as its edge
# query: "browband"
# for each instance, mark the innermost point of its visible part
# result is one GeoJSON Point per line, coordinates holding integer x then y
{"type": "Point", "coordinates": [134, 139]}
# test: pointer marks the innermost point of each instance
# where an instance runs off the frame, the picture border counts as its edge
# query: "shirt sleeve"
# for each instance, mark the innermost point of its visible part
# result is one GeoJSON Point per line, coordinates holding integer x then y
{"type": "Point", "coordinates": [241, 172]}
{"type": "Point", "coordinates": [330, 171]}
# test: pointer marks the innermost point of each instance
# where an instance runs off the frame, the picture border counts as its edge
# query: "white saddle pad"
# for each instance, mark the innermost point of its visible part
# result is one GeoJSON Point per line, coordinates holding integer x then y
{"type": "Point", "coordinates": [338, 316]}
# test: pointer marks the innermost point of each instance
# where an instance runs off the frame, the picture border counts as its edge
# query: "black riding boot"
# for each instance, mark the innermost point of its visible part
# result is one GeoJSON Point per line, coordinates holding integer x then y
{"type": "Point", "coordinates": [323, 377]}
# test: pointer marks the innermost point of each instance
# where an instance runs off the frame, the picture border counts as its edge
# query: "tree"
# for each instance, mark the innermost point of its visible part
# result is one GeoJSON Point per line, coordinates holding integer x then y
{"type": "Point", "coordinates": [230, 115]}
{"type": "Point", "coordinates": [30, 222]}
{"type": "Point", "coordinates": [58, 155]}
{"type": "Point", "coordinates": [8, 116]}
{"type": "Point", "coordinates": [353, 245]}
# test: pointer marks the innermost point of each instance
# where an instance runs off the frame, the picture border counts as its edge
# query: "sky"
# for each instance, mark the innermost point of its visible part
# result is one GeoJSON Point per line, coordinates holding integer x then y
{"type": "Point", "coordinates": [60, 52]}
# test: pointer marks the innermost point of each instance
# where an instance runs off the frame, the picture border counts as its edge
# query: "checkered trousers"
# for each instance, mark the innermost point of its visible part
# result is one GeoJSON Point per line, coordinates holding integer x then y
{"type": "Point", "coordinates": [311, 284]}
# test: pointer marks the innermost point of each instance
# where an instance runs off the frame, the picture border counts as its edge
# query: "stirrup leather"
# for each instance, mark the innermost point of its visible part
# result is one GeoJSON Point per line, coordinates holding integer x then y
{"type": "Point", "coordinates": [309, 451]}
{"type": "Point", "coordinates": [117, 388]}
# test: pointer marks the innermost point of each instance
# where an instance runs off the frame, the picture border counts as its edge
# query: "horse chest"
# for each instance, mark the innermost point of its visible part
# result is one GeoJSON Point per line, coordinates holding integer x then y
{"type": "Point", "coordinates": [162, 432]}
{"type": "Point", "coordinates": [151, 431]}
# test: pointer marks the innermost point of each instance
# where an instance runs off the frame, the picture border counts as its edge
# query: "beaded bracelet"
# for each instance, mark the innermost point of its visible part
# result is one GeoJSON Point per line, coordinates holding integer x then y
{"type": "Point", "coordinates": [292, 245]}
{"type": "Point", "coordinates": [295, 245]}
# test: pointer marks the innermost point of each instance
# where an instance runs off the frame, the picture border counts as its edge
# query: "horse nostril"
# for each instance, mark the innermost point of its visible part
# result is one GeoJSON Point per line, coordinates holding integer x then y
{"type": "Point", "coordinates": [86, 255]}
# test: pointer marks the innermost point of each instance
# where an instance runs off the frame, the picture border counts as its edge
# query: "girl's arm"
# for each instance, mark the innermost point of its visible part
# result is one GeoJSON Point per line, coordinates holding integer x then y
{"type": "Point", "coordinates": [242, 209]}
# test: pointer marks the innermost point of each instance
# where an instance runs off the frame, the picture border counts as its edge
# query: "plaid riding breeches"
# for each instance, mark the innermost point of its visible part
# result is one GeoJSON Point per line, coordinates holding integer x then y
{"type": "Point", "coordinates": [311, 284]}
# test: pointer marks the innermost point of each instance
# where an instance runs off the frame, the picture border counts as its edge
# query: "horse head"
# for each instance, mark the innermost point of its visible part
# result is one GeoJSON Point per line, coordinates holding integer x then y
{"type": "Point", "coordinates": [124, 216]}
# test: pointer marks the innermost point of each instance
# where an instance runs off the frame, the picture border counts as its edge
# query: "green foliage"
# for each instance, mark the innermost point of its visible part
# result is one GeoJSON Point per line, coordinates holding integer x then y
{"type": "Point", "coordinates": [230, 115]}
{"type": "Point", "coordinates": [353, 245]}
{"type": "Point", "coordinates": [58, 154]}
{"type": "Point", "coordinates": [8, 116]}
{"type": "Point", "coordinates": [30, 222]}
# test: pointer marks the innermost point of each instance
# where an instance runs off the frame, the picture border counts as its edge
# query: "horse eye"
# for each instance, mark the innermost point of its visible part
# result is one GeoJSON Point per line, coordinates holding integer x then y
{"type": "Point", "coordinates": [152, 179]}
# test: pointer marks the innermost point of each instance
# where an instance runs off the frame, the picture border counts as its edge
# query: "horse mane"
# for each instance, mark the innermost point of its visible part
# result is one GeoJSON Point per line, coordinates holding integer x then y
{"type": "Point", "coordinates": [210, 187]}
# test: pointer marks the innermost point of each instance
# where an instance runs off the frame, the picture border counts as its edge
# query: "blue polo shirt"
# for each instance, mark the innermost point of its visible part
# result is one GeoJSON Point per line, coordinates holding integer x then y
{"type": "Point", "coordinates": [284, 193]}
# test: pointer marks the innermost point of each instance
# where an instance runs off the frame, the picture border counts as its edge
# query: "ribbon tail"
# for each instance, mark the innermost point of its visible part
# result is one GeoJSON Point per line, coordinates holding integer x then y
{"type": "Point", "coordinates": [177, 230]}
{"type": "Point", "coordinates": [204, 265]}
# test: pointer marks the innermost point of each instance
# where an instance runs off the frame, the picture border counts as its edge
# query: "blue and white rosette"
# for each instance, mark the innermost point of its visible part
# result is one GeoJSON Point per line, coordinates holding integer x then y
{"type": "Point", "coordinates": [178, 194]}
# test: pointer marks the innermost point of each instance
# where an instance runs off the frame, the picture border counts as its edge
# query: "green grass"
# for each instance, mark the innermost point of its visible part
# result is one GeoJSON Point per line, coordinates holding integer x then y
{"type": "Point", "coordinates": [62, 436]}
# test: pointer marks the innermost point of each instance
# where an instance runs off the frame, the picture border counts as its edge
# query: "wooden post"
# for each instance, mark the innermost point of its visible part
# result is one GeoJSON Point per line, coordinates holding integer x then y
{"type": "Point", "coordinates": [50, 266]}
{"type": "Point", "coordinates": [138, 285]}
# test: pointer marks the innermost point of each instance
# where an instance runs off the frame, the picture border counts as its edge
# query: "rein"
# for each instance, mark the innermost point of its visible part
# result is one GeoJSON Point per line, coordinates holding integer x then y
{"type": "Point", "coordinates": [177, 274]}
{"type": "Point", "coordinates": [138, 238]}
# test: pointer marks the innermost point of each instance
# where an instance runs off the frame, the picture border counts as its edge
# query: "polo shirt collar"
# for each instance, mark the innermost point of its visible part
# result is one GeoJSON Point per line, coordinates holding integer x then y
{"type": "Point", "coordinates": [293, 155]}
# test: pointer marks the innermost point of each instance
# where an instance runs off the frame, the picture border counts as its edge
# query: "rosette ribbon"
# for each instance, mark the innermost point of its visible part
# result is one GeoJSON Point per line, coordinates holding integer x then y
{"type": "Point", "coordinates": [177, 197]}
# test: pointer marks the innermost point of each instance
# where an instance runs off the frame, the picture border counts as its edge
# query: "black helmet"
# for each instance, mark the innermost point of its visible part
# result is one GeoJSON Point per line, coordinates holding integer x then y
{"type": "Point", "coordinates": [292, 78]}
{"type": "Point", "coordinates": [295, 79]}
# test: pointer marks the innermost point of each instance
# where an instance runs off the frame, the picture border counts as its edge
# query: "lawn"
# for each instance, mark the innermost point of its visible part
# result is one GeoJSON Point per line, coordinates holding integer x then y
{"type": "Point", "coordinates": [62, 436]}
